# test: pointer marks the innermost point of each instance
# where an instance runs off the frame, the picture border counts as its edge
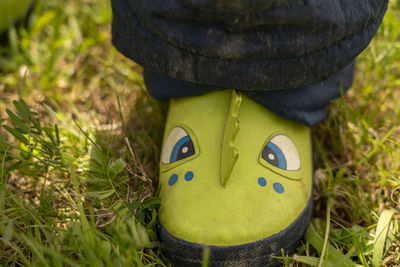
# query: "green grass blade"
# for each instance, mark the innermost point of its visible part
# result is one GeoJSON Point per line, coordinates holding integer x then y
{"type": "Point", "coordinates": [17, 121]}
{"type": "Point", "coordinates": [382, 230]}
{"type": "Point", "coordinates": [16, 134]}
{"type": "Point", "coordinates": [23, 110]}
{"type": "Point", "coordinates": [3, 143]}
{"type": "Point", "coordinates": [206, 257]}
{"type": "Point", "coordinates": [332, 254]}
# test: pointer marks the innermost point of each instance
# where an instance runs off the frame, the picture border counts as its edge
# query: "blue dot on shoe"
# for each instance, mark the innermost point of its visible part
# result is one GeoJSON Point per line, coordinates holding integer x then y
{"type": "Point", "coordinates": [278, 188]}
{"type": "Point", "coordinates": [189, 176]}
{"type": "Point", "coordinates": [262, 181]}
{"type": "Point", "coordinates": [172, 180]}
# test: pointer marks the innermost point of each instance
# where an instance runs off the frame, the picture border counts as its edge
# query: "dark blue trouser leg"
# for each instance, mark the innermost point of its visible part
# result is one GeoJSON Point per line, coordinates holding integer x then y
{"type": "Point", "coordinates": [307, 105]}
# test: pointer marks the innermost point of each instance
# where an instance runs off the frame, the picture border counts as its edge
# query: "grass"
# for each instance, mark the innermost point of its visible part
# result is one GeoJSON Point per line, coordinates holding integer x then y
{"type": "Point", "coordinates": [81, 137]}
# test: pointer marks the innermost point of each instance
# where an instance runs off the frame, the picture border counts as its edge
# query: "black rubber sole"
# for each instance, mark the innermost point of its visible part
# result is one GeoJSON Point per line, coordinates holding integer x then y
{"type": "Point", "coordinates": [187, 254]}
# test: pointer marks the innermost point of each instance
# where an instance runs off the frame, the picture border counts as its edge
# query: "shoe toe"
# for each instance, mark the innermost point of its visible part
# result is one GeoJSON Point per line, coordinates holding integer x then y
{"type": "Point", "coordinates": [259, 253]}
{"type": "Point", "coordinates": [235, 178]}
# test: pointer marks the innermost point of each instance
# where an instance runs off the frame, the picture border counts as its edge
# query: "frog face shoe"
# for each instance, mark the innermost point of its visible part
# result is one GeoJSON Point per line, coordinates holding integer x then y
{"type": "Point", "coordinates": [11, 11]}
{"type": "Point", "coordinates": [235, 178]}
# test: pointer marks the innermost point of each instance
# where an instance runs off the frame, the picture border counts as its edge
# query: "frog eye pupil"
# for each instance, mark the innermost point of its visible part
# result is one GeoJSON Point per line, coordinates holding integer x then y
{"type": "Point", "coordinates": [274, 156]}
{"type": "Point", "coordinates": [183, 148]}
{"type": "Point", "coordinates": [178, 145]}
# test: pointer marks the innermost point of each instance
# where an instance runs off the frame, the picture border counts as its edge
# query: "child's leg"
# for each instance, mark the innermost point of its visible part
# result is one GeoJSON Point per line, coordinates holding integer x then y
{"type": "Point", "coordinates": [236, 177]}
{"type": "Point", "coordinates": [307, 105]}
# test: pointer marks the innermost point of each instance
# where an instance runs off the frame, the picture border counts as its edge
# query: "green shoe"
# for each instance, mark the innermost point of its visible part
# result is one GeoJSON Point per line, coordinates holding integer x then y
{"type": "Point", "coordinates": [235, 178]}
{"type": "Point", "coordinates": [11, 11]}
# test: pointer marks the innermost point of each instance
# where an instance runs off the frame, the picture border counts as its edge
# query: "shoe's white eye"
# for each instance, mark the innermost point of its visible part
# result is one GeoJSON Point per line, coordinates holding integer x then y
{"type": "Point", "coordinates": [281, 152]}
{"type": "Point", "coordinates": [177, 146]}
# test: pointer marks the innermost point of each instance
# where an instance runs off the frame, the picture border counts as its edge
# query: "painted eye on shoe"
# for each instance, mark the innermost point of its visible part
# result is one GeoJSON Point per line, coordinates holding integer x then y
{"type": "Point", "coordinates": [177, 146]}
{"type": "Point", "coordinates": [282, 153]}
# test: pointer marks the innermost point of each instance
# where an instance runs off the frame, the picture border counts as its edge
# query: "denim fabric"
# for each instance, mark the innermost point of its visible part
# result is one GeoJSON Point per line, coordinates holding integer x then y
{"type": "Point", "coordinates": [250, 45]}
{"type": "Point", "coordinates": [306, 104]}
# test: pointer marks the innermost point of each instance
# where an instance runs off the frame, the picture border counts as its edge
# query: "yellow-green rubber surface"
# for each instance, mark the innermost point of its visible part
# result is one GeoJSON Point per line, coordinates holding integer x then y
{"type": "Point", "coordinates": [11, 11]}
{"type": "Point", "coordinates": [258, 200]}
